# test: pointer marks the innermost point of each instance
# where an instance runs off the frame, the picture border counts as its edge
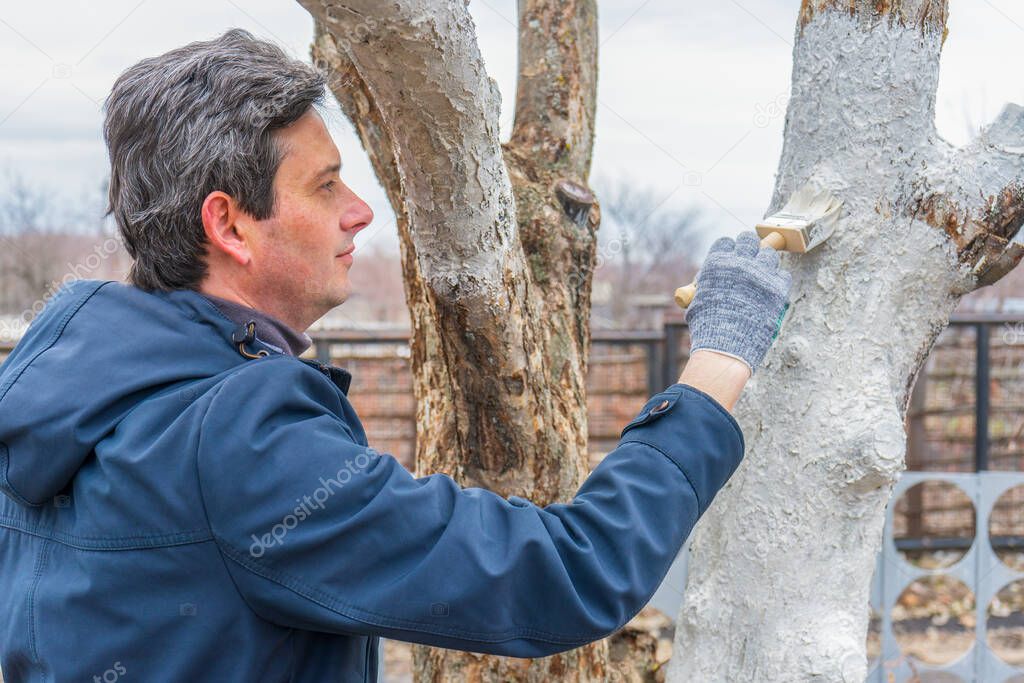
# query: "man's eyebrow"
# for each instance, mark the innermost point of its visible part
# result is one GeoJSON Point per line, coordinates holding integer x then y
{"type": "Point", "coordinates": [330, 170]}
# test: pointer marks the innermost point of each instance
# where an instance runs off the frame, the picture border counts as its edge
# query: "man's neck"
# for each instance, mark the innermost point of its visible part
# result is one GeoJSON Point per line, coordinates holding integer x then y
{"type": "Point", "coordinates": [236, 295]}
{"type": "Point", "coordinates": [271, 327]}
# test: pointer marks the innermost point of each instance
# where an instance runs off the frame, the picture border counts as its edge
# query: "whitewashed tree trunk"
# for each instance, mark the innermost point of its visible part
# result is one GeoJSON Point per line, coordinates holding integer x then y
{"type": "Point", "coordinates": [781, 565]}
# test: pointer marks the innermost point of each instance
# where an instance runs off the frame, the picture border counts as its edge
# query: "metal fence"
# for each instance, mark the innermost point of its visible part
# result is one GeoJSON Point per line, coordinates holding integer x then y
{"type": "Point", "coordinates": [976, 579]}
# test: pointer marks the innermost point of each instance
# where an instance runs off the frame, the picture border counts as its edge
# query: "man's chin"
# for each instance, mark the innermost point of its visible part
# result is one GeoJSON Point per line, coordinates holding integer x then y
{"type": "Point", "coordinates": [336, 296]}
{"type": "Point", "coordinates": [327, 296]}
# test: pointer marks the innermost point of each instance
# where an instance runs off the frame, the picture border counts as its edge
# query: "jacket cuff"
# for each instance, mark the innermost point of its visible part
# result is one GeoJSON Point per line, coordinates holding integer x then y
{"type": "Point", "coordinates": [693, 431]}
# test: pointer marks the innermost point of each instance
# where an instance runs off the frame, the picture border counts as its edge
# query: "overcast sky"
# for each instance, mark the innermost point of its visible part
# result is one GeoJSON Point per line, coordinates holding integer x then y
{"type": "Point", "coordinates": [691, 100]}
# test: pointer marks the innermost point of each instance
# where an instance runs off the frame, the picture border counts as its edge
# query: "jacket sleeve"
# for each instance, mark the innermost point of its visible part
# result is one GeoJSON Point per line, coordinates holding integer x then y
{"type": "Point", "coordinates": [322, 533]}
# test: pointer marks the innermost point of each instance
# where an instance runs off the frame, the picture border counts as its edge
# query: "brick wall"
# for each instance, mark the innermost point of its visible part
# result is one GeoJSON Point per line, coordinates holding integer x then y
{"type": "Point", "coordinates": [381, 393]}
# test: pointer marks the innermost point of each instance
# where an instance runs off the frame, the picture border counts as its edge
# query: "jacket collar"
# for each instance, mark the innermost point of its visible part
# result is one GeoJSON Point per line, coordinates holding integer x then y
{"type": "Point", "coordinates": [269, 329]}
{"type": "Point", "coordinates": [242, 337]}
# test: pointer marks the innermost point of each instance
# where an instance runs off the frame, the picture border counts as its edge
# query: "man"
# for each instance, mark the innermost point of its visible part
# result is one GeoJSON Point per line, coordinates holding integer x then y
{"type": "Point", "coordinates": [186, 500]}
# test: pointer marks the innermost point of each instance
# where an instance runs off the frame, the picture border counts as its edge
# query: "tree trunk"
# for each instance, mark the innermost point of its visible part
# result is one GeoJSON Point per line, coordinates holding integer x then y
{"type": "Point", "coordinates": [781, 566]}
{"type": "Point", "coordinates": [498, 247]}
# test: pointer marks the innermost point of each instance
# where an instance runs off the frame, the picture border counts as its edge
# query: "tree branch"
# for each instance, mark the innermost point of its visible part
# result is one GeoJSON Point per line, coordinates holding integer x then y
{"type": "Point", "coordinates": [556, 93]}
{"type": "Point", "coordinates": [420, 62]}
{"type": "Point", "coordinates": [548, 157]}
{"type": "Point", "coordinates": [976, 195]}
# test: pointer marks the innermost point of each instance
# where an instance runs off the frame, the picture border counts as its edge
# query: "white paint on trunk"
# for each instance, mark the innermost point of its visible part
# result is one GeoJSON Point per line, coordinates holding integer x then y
{"type": "Point", "coordinates": [779, 576]}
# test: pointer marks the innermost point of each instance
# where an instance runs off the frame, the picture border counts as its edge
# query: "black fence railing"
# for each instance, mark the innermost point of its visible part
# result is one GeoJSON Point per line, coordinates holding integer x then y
{"type": "Point", "coordinates": [982, 324]}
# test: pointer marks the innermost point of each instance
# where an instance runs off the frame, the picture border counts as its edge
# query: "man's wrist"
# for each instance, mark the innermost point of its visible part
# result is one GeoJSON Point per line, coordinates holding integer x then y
{"type": "Point", "coordinates": [720, 376]}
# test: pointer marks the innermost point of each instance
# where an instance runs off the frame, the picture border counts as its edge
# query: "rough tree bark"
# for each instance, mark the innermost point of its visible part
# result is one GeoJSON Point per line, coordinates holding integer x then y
{"type": "Point", "coordinates": [498, 246]}
{"type": "Point", "coordinates": [781, 565]}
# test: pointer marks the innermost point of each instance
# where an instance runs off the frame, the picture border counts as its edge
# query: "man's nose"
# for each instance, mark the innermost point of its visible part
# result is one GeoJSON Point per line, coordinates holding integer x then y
{"type": "Point", "coordinates": [357, 216]}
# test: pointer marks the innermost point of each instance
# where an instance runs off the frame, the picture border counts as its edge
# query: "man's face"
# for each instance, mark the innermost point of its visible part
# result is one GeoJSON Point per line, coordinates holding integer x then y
{"type": "Point", "coordinates": [297, 252]}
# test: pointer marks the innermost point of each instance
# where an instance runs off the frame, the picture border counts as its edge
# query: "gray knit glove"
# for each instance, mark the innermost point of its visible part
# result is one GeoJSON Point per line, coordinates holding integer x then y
{"type": "Point", "coordinates": [740, 301]}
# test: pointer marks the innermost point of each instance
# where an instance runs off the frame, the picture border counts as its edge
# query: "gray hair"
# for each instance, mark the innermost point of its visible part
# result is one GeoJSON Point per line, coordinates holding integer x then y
{"type": "Point", "coordinates": [191, 121]}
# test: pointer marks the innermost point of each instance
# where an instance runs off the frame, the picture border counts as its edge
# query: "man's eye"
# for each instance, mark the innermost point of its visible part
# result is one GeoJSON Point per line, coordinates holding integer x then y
{"type": "Point", "coordinates": [329, 185]}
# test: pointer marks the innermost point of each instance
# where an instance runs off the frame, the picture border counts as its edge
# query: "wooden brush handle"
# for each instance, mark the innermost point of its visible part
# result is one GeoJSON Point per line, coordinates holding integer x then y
{"type": "Point", "coordinates": [684, 295]}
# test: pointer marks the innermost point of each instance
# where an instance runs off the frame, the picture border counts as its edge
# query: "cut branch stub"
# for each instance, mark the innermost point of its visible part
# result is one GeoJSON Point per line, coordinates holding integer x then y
{"type": "Point", "coordinates": [923, 13]}
{"type": "Point", "coordinates": [1000, 164]}
{"type": "Point", "coordinates": [575, 199]}
{"type": "Point", "coordinates": [976, 196]}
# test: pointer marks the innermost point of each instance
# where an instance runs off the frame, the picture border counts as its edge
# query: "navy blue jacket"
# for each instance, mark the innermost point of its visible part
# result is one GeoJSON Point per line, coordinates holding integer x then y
{"type": "Point", "coordinates": [176, 511]}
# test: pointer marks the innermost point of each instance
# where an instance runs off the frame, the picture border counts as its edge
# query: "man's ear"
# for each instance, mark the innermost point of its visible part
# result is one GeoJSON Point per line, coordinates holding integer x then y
{"type": "Point", "coordinates": [226, 227]}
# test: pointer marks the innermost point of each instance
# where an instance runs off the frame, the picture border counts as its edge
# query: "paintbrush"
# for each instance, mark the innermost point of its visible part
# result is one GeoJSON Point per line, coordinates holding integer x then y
{"type": "Point", "coordinates": [806, 221]}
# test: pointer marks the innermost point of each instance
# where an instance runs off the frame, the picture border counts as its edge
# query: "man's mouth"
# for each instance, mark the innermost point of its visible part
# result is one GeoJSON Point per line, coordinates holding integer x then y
{"type": "Point", "coordinates": [346, 255]}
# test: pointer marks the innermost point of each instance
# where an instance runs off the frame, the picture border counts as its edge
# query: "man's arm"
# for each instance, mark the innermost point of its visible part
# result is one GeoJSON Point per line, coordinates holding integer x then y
{"type": "Point", "coordinates": [321, 532]}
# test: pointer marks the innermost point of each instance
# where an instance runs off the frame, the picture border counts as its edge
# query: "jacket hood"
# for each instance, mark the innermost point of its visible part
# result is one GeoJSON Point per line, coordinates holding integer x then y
{"type": "Point", "coordinates": [96, 350]}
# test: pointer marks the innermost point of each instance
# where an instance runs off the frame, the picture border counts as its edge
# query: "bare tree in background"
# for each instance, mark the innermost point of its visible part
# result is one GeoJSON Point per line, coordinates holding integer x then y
{"type": "Point", "coordinates": [46, 240]}
{"type": "Point", "coordinates": [30, 246]}
{"type": "Point", "coordinates": [645, 248]}
{"type": "Point", "coordinates": [498, 248]}
{"type": "Point", "coordinates": [781, 565]}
